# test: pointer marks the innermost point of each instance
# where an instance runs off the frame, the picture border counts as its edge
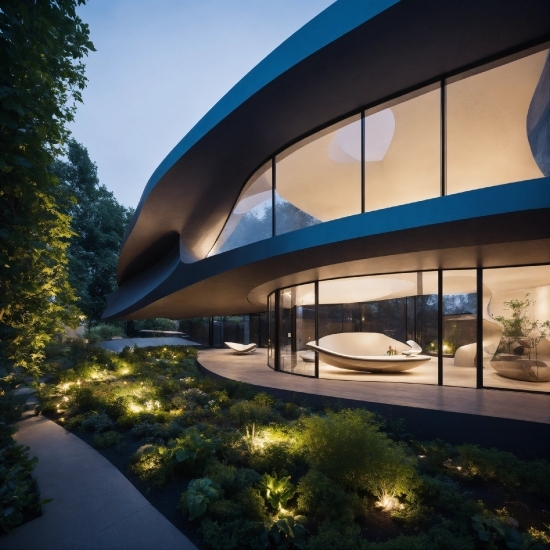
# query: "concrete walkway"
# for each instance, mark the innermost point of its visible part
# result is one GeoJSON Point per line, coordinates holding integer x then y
{"type": "Point", "coordinates": [95, 507]}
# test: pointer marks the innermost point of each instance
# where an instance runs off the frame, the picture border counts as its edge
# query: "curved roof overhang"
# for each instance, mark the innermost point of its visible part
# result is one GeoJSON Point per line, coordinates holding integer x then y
{"type": "Point", "coordinates": [495, 226]}
{"type": "Point", "coordinates": [352, 55]}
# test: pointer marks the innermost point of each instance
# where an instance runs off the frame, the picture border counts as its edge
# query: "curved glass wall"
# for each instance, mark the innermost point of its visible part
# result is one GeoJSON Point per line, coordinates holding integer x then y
{"type": "Point", "coordinates": [250, 220]}
{"type": "Point", "coordinates": [516, 328]}
{"type": "Point", "coordinates": [373, 317]}
{"type": "Point", "coordinates": [296, 329]}
{"type": "Point", "coordinates": [403, 150]}
{"type": "Point", "coordinates": [363, 325]}
{"type": "Point", "coordinates": [498, 125]}
{"type": "Point", "coordinates": [487, 127]}
{"type": "Point", "coordinates": [319, 178]}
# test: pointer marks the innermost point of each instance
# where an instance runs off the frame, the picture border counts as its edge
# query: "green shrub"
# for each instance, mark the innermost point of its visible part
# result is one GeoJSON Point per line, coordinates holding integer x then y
{"type": "Point", "coordinates": [102, 332]}
{"type": "Point", "coordinates": [230, 535]}
{"type": "Point", "coordinates": [439, 537]}
{"type": "Point", "coordinates": [537, 476]}
{"type": "Point", "coordinates": [97, 422]}
{"type": "Point", "coordinates": [84, 399]}
{"type": "Point", "coordinates": [264, 399]}
{"type": "Point", "coordinates": [322, 499]}
{"type": "Point", "coordinates": [489, 465]}
{"type": "Point", "coordinates": [116, 407]}
{"type": "Point", "coordinates": [148, 430]}
{"type": "Point", "coordinates": [19, 499]}
{"type": "Point", "coordinates": [225, 510]}
{"type": "Point", "coordinates": [221, 473]}
{"type": "Point", "coordinates": [252, 504]}
{"type": "Point", "coordinates": [150, 463]}
{"type": "Point", "coordinates": [247, 412]}
{"type": "Point", "coordinates": [335, 536]}
{"type": "Point", "coordinates": [350, 449]}
{"type": "Point", "coordinates": [278, 456]}
{"type": "Point", "coordinates": [107, 439]}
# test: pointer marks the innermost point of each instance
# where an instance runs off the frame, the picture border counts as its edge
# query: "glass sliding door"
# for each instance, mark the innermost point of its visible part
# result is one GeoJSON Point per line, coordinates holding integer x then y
{"type": "Point", "coordinates": [296, 329]}
{"type": "Point", "coordinates": [459, 327]}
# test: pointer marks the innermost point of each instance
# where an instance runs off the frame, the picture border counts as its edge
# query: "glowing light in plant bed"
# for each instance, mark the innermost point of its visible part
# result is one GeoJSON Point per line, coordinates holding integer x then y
{"type": "Point", "coordinates": [389, 503]}
{"type": "Point", "coordinates": [135, 408]}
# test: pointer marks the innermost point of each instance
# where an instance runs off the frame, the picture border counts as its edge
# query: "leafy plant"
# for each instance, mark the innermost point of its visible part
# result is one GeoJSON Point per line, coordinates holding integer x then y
{"type": "Point", "coordinates": [277, 490]}
{"type": "Point", "coordinates": [98, 422]}
{"type": "Point", "coordinates": [350, 449]}
{"type": "Point", "coordinates": [200, 493]}
{"type": "Point", "coordinates": [287, 532]}
{"type": "Point", "coordinates": [491, 528]}
{"type": "Point", "coordinates": [107, 439]}
{"type": "Point", "coordinates": [19, 498]}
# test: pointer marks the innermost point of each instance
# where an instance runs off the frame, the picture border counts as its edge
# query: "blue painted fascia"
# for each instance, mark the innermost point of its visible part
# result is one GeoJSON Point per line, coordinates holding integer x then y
{"type": "Point", "coordinates": [337, 20]}
{"type": "Point", "coordinates": [172, 275]}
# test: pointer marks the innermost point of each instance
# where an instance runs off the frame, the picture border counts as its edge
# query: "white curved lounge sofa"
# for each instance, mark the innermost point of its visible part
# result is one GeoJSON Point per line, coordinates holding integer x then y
{"type": "Point", "coordinates": [241, 349]}
{"type": "Point", "coordinates": [366, 351]}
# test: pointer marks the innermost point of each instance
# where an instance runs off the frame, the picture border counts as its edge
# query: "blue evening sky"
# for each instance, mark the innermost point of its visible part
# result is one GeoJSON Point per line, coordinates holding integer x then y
{"type": "Point", "coordinates": [160, 66]}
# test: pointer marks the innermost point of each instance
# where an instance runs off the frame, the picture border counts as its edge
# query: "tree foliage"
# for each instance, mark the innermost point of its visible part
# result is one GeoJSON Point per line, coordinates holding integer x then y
{"type": "Point", "coordinates": [42, 44]}
{"type": "Point", "coordinates": [98, 223]}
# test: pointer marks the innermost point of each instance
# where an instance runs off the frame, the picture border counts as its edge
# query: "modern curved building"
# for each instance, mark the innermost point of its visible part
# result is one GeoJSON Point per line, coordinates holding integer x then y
{"type": "Point", "coordinates": [384, 172]}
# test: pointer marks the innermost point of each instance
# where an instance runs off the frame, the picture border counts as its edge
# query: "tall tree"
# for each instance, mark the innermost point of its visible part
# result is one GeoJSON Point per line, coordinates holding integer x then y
{"type": "Point", "coordinates": [42, 44]}
{"type": "Point", "coordinates": [98, 223]}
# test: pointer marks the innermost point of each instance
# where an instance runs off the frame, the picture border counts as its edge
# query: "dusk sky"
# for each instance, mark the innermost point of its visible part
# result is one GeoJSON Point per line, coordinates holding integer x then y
{"type": "Point", "coordinates": [160, 66]}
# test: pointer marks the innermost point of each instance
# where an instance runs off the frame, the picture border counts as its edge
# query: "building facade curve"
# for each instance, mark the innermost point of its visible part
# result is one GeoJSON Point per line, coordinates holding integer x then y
{"type": "Point", "coordinates": [384, 174]}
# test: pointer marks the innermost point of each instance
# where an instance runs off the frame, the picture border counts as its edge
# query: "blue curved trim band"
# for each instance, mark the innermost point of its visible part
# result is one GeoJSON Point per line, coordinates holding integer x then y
{"type": "Point", "coordinates": [172, 275]}
{"type": "Point", "coordinates": [336, 21]}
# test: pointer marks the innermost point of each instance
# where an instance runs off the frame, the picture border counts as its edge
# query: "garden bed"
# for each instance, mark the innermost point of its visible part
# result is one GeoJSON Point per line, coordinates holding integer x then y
{"type": "Point", "coordinates": [234, 468]}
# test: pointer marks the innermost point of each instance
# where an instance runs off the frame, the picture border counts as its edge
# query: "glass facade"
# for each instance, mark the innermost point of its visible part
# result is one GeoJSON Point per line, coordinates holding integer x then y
{"type": "Point", "coordinates": [491, 126]}
{"type": "Point", "coordinates": [251, 219]}
{"type": "Point", "coordinates": [319, 179]}
{"type": "Point", "coordinates": [403, 150]}
{"type": "Point", "coordinates": [482, 128]}
{"type": "Point", "coordinates": [459, 327]}
{"type": "Point", "coordinates": [374, 319]}
{"type": "Point", "coordinates": [296, 329]}
{"type": "Point", "coordinates": [516, 328]}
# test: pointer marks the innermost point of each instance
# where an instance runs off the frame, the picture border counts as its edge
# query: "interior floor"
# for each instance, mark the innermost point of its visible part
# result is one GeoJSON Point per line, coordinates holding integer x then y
{"type": "Point", "coordinates": [464, 377]}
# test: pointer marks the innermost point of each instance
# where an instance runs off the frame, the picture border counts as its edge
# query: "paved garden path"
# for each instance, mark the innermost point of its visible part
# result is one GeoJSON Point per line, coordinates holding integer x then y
{"type": "Point", "coordinates": [95, 507]}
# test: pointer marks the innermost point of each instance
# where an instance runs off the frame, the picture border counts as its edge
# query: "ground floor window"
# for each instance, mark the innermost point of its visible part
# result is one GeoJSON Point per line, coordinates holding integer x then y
{"type": "Point", "coordinates": [467, 328]}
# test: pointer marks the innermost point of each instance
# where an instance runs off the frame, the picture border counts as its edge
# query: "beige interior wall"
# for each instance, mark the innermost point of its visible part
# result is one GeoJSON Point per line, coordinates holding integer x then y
{"type": "Point", "coordinates": [313, 182]}
{"type": "Point", "coordinates": [410, 170]}
{"type": "Point", "coordinates": [486, 126]}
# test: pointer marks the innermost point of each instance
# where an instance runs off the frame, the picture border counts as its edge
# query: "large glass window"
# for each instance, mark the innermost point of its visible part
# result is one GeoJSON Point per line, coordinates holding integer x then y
{"type": "Point", "coordinates": [319, 179]}
{"type": "Point", "coordinates": [297, 328]}
{"type": "Point", "coordinates": [459, 327]}
{"type": "Point", "coordinates": [370, 319]}
{"type": "Point", "coordinates": [403, 151]}
{"type": "Point", "coordinates": [197, 329]}
{"type": "Point", "coordinates": [251, 219]}
{"type": "Point", "coordinates": [497, 125]}
{"type": "Point", "coordinates": [516, 328]}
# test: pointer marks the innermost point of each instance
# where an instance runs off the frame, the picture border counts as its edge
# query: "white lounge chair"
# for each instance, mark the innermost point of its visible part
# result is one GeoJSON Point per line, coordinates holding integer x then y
{"type": "Point", "coordinates": [366, 351]}
{"type": "Point", "coordinates": [241, 349]}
